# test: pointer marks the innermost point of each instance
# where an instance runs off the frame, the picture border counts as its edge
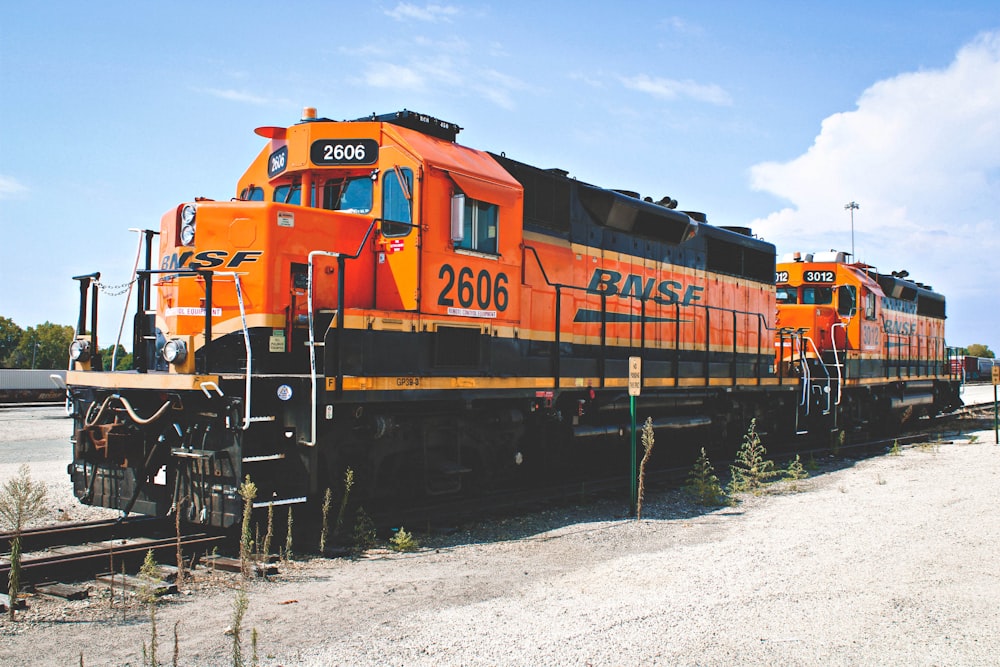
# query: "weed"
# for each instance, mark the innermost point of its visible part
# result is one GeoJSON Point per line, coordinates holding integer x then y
{"type": "Point", "coordinates": [973, 439]}
{"type": "Point", "coordinates": [364, 531]}
{"type": "Point", "coordinates": [348, 483]}
{"type": "Point", "coordinates": [751, 471]}
{"type": "Point", "coordinates": [153, 643]}
{"type": "Point", "coordinates": [239, 609]}
{"type": "Point", "coordinates": [703, 484]}
{"type": "Point", "coordinates": [248, 491]}
{"type": "Point", "coordinates": [150, 575]}
{"type": "Point", "coordinates": [266, 549]}
{"type": "Point", "coordinates": [403, 541]}
{"type": "Point", "coordinates": [795, 472]}
{"type": "Point", "coordinates": [21, 500]}
{"type": "Point", "coordinates": [177, 647]}
{"type": "Point", "coordinates": [930, 447]}
{"type": "Point", "coordinates": [648, 440]}
{"type": "Point", "coordinates": [327, 501]}
{"type": "Point", "coordinates": [879, 479]}
{"type": "Point", "coordinates": [253, 646]}
{"type": "Point", "coordinates": [180, 551]}
{"type": "Point", "coordinates": [837, 441]}
{"type": "Point", "coordinates": [812, 465]}
{"type": "Point", "coordinates": [288, 535]}
{"type": "Point", "coordinates": [895, 450]}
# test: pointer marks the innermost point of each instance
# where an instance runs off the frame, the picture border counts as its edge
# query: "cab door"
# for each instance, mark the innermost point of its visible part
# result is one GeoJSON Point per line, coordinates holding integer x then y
{"type": "Point", "coordinates": [397, 244]}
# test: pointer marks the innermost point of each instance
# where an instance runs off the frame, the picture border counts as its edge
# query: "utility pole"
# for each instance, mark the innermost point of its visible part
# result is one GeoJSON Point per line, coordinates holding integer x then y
{"type": "Point", "coordinates": [852, 206]}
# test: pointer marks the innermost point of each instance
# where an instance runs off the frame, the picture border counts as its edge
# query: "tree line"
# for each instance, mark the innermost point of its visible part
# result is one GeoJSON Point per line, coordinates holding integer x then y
{"type": "Point", "coordinates": [45, 346]}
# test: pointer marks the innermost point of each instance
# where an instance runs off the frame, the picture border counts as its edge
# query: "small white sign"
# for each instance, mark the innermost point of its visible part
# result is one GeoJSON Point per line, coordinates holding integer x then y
{"type": "Point", "coordinates": [634, 376]}
{"type": "Point", "coordinates": [286, 219]}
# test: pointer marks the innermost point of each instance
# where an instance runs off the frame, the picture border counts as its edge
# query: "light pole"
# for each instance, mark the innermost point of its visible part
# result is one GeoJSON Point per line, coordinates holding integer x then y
{"type": "Point", "coordinates": [852, 206]}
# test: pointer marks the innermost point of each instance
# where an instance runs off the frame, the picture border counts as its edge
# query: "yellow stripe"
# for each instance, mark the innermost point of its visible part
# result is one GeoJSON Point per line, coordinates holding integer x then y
{"type": "Point", "coordinates": [410, 383]}
{"type": "Point", "coordinates": [168, 381]}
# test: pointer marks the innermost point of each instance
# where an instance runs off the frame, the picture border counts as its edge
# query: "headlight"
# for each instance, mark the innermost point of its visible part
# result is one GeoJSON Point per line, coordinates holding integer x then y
{"type": "Point", "coordinates": [79, 350]}
{"type": "Point", "coordinates": [175, 351]}
{"type": "Point", "coordinates": [188, 215]}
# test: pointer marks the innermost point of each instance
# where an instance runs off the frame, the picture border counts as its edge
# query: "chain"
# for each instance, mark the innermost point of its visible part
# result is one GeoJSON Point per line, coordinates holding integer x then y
{"type": "Point", "coordinates": [115, 290]}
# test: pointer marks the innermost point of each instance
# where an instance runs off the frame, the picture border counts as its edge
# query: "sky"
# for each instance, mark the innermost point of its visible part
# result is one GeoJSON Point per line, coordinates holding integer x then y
{"type": "Point", "coordinates": [769, 115]}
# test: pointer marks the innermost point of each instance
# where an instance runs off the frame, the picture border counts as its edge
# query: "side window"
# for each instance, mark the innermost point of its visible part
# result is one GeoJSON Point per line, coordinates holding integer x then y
{"type": "Point", "coordinates": [869, 306]}
{"type": "Point", "coordinates": [397, 189]}
{"type": "Point", "coordinates": [474, 224]}
{"type": "Point", "coordinates": [846, 301]}
{"type": "Point", "coordinates": [252, 193]}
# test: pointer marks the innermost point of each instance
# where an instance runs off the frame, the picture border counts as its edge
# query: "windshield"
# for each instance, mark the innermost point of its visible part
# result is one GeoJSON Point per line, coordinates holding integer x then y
{"type": "Point", "coordinates": [351, 195]}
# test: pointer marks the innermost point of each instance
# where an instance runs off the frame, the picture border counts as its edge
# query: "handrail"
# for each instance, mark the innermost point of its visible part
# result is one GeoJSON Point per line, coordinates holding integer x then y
{"type": "Point", "coordinates": [246, 342]}
{"type": "Point", "coordinates": [341, 261]}
{"type": "Point", "coordinates": [761, 319]}
{"type": "Point", "coordinates": [836, 357]}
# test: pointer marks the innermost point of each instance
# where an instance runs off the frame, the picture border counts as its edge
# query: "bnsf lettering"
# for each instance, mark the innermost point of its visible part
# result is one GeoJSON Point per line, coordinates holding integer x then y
{"type": "Point", "coordinates": [899, 328]}
{"type": "Point", "coordinates": [209, 259]}
{"type": "Point", "coordinates": [668, 292]}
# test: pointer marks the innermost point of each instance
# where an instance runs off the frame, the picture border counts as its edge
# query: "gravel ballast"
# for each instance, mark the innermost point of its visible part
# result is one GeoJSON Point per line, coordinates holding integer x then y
{"type": "Point", "coordinates": [887, 561]}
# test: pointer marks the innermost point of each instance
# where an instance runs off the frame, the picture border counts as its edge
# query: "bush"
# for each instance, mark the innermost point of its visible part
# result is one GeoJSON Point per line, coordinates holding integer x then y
{"type": "Point", "coordinates": [703, 485]}
{"type": "Point", "coordinates": [751, 471]}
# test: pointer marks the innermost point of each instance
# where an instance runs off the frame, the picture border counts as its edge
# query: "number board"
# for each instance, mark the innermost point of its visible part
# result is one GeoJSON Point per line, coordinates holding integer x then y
{"type": "Point", "coordinates": [344, 151]}
{"type": "Point", "coordinates": [781, 276]}
{"type": "Point", "coordinates": [277, 162]}
{"type": "Point", "coordinates": [818, 276]}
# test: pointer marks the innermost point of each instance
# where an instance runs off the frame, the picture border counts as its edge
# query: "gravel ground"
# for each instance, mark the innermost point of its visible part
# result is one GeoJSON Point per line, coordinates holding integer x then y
{"type": "Point", "coordinates": [887, 561]}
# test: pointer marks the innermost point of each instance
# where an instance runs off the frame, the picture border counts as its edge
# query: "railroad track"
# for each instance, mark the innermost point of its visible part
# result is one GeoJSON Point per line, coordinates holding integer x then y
{"type": "Point", "coordinates": [76, 552]}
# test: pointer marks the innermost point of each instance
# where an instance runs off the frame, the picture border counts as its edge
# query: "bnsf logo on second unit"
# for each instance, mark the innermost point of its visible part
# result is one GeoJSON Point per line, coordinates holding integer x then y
{"type": "Point", "coordinates": [209, 259]}
{"type": "Point", "coordinates": [668, 292]}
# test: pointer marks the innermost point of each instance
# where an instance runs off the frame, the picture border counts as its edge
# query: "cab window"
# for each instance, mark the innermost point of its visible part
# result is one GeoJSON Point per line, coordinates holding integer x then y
{"type": "Point", "coordinates": [787, 295]}
{"type": "Point", "coordinates": [817, 295]}
{"type": "Point", "coordinates": [290, 193]}
{"type": "Point", "coordinates": [397, 193]}
{"type": "Point", "coordinates": [869, 306]}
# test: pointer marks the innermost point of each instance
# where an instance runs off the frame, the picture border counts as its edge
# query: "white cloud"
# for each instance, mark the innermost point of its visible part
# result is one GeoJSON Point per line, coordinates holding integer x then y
{"type": "Point", "coordinates": [239, 96]}
{"type": "Point", "coordinates": [10, 188]}
{"type": "Point", "coordinates": [921, 156]}
{"type": "Point", "coordinates": [388, 75]}
{"type": "Point", "coordinates": [431, 13]}
{"type": "Point", "coordinates": [671, 89]}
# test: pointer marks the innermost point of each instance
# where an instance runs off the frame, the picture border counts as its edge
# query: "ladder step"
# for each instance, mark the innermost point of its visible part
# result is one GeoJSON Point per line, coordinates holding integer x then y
{"type": "Point", "coordinates": [263, 418]}
{"type": "Point", "coordinates": [281, 501]}
{"type": "Point", "coordinates": [265, 457]}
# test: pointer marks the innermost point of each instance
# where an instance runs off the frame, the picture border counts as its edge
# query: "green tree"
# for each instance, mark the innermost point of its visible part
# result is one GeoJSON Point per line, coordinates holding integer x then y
{"type": "Point", "coordinates": [10, 337]}
{"type": "Point", "coordinates": [980, 350]}
{"type": "Point", "coordinates": [123, 362]}
{"type": "Point", "coordinates": [43, 346]}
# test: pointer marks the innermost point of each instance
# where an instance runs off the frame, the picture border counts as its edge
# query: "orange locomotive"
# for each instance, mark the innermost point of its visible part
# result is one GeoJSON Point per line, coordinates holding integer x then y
{"type": "Point", "coordinates": [870, 347]}
{"type": "Point", "coordinates": [381, 297]}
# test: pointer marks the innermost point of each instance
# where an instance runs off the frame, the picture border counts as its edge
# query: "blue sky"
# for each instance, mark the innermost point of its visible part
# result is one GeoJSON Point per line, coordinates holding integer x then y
{"type": "Point", "coordinates": [769, 115]}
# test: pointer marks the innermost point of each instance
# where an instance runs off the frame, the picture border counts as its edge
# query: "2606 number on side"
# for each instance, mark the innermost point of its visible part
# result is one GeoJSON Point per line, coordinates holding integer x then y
{"type": "Point", "coordinates": [472, 294]}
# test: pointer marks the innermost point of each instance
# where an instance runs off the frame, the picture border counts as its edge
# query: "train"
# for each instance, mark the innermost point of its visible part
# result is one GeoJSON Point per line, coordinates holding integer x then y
{"type": "Point", "coordinates": [973, 369]}
{"type": "Point", "coordinates": [18, 385]}
{"type": "Point", "coordinates": [442, 319]}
